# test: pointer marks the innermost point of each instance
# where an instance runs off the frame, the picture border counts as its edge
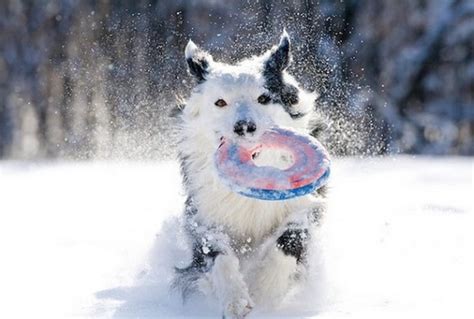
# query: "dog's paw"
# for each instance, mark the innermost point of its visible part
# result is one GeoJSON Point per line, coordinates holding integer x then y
{"type": "Point", "coordinates": [238, 308]}
{"type": "Point", "coordinates": [272, 279]}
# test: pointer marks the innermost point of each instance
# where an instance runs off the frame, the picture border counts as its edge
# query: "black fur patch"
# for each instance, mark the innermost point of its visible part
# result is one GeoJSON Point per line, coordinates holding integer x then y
{"type": "Point", "coordinates": [201, 261]}
{"type": "Point", "coordinates": [284, 94]}
{"type": "Point", "coordinates": [293, 242]}
{"type": "Point", "coordinates": [198, 67]}
{"type": "Point", "coordinates": [281, 92]}
{"type": "Point", "coordinates": [203, 251]}
{"type": "Point", "coordinates": [186, 278]}
{"type": "Point", "coordinates": [203, 254]}
{"type": "Point", "coordinates": [280, 57]}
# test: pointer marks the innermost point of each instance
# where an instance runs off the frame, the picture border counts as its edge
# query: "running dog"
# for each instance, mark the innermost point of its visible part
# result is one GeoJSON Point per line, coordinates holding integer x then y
{"type": "Point", "coordinates": [246, 251]}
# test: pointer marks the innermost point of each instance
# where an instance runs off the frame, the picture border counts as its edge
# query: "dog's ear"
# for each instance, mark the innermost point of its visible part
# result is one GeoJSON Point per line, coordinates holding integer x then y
{"type": "Point", "coordinates": [198, 61]}
{"type": "Point", "coordinates": [280, 55]}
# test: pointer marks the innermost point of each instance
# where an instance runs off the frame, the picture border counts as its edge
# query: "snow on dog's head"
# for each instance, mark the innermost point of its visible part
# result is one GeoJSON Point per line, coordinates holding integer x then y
{"type": "Point", "coordinates": [241, 101]}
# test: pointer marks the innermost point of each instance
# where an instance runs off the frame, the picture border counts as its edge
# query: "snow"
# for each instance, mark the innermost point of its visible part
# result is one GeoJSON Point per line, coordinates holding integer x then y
{"type": "Point", "coordinates": [99, 239]}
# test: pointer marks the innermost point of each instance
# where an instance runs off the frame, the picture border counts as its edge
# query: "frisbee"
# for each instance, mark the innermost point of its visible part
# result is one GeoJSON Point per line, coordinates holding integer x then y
{"type": "Point", "coordinates": [309, 168]}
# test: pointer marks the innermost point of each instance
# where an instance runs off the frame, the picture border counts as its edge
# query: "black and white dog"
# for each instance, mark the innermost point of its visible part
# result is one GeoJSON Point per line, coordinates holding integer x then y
{"type": "Point", "coordinates": [245, 251]}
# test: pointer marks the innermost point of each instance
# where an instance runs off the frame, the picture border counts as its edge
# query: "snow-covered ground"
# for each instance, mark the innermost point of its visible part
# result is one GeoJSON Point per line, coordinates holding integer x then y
{"type": "Point", "coordinates": [99, 240]}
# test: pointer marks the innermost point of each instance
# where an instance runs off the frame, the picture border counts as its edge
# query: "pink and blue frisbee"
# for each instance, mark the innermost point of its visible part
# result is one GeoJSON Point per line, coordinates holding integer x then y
{"type": "Point", "coordinates": [308, 172]}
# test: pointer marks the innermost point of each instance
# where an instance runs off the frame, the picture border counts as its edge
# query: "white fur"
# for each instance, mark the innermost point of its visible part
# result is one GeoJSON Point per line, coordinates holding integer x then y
{"type": "Point", "coordinates": [190, 50]}
{"type": "Point", "coordinates": [271, 273]}
{"type": "Point", "coordinates": [274, 275]}
{"type": "Point", "coordinates": [203, 126]}
{"type": "Point", "coordinates": [247, 221]}
{"type": "Point", "coordinates": [226, 283]}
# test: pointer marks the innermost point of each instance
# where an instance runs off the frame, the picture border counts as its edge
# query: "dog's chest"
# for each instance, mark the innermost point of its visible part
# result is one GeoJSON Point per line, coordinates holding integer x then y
{"type": "Point", "coordinates": [246, 219]}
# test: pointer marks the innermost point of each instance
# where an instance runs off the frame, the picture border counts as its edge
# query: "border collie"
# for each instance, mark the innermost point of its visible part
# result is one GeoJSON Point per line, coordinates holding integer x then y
{"type": "Point", "coordinates": [246, 251]}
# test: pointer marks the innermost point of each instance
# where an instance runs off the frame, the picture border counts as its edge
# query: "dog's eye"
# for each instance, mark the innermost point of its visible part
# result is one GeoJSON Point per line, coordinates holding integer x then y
{"type": "Point", "coordinates": [263, 99]}
{"type": "Point", "coordinates": [220, 103]}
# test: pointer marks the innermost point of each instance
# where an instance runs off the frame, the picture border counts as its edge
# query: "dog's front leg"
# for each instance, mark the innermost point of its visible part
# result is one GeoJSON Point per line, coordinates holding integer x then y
{"type": "Point", "coordinates": [282, 257]}
{"type": "Point", "coordinates": [278, 265]}
{"type": "Point", "coordinates": [226, 283]}
{"type": "Point", "coordinates": [220, 271]}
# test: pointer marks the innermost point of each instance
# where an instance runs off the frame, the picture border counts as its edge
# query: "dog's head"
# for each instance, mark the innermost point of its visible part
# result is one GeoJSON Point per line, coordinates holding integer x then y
{"type": "Point", "coordinates": [241, 101]}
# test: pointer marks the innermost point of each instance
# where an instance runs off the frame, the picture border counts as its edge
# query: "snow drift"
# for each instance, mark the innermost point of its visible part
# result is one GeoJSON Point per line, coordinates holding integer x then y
{"type": "Point", "coordinates": [100, 240]}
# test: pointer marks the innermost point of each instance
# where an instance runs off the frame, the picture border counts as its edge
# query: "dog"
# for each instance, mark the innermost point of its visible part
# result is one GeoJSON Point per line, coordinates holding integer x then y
{"type": "Point", "coordinates": [245, 251]}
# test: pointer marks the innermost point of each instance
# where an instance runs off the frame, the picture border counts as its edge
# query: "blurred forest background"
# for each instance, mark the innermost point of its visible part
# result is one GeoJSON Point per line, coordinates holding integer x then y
{"type": "Point", "coordinates": [98, 78]}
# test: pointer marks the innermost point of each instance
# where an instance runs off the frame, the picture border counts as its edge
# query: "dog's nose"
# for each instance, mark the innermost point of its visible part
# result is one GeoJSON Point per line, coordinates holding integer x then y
{"type": "Point", "coordinates": [243, 126]}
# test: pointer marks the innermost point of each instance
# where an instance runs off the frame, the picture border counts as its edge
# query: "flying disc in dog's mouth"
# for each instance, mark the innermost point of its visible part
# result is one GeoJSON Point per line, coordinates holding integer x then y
{"type": "Point", "coordinates": [281, 165]}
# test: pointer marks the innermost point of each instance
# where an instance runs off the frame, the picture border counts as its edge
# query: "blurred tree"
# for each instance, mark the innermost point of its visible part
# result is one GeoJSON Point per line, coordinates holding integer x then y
{"type": "Point", "coordinates": [97, 78]}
